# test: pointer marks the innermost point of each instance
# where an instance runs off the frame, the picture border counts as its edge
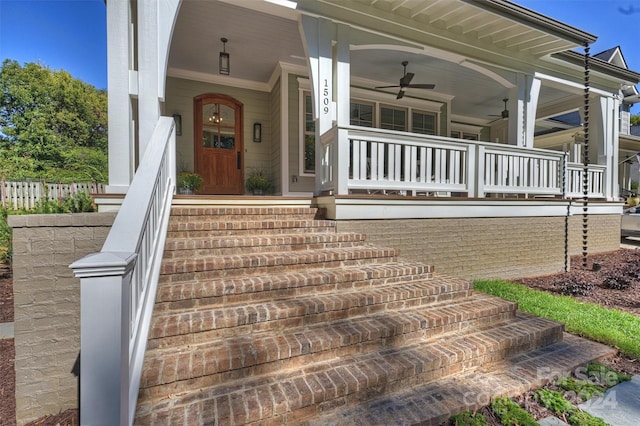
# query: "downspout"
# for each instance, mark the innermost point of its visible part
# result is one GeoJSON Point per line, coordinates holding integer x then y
{"type": "Point", "coordinates": [585, 159]}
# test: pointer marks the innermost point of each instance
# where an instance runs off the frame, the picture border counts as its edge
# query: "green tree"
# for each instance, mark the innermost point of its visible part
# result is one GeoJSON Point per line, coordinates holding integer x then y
{"type": "Point", "coordinates": [635, 119]}
{"type": "Point", "coordinates": [52, 126]}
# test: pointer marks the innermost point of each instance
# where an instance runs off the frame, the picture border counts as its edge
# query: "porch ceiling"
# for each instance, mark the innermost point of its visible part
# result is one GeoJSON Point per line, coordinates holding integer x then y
{"type": "Point", "coordinates": [262, 34]}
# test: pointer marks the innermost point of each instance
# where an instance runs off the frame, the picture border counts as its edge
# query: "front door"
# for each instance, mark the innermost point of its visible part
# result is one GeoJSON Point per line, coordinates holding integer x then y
{"type": "Point", "coordinates": [218, 144]}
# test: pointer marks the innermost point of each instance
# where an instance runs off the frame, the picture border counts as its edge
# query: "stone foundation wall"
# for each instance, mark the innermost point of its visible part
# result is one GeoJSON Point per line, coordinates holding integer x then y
{"type": "Point", "coordinates": [47, 307]}
{"type": "Point", "coordinates": [490, 247]}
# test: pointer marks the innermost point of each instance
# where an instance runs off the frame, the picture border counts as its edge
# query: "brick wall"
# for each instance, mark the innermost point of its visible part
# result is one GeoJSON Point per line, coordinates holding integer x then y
{"type": "Point", "coordinates": [489, 247]}
{"type": "Point", "coordinates": [47, 307]}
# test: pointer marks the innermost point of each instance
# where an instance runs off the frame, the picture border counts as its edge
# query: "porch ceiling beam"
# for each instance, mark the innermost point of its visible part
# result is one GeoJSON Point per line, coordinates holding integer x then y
{"type": "Point", "coordinates": [398, 4]}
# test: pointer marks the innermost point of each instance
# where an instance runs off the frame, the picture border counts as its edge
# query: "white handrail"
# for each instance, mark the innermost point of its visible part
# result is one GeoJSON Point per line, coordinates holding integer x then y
{"type": "Point", "coordinates": [118, 287]}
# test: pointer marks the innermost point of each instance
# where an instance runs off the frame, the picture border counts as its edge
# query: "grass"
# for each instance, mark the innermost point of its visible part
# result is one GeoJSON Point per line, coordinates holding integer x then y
{"type": "Point", "coordinates": [609, 326]}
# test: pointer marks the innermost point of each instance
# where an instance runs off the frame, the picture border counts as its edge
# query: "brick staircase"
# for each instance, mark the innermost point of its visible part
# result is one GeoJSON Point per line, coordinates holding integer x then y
{"type": "Point", "coordinates": [268, 316]}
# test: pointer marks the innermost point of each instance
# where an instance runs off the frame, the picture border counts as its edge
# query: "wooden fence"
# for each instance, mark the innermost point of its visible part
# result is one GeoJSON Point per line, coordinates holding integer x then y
{"type": "Point", "coordinates": [17, 195]}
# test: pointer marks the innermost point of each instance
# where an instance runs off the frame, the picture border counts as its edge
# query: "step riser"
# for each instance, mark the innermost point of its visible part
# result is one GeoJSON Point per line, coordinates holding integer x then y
{"type": "Point", "coordinates": [243, 225]}
{"type": "Point", "coordinates": [287, 240]}
{"type": "Point", "coordinates": [310, 277]}
{"type": "Point", "coordinates": [316, 390]}
{"type": "Point", "coordinates": [174, 298]}
{"type": "Point", "coordinates": [190, 254]}
{"type": "Point", "coordinates": [273, 355]}
{"type": "Point", "coordinates": [235, 212]}
{"type": "Point", "coordinates": [249, 232]}
{"type": "Point", "coordinates": [244, 267]}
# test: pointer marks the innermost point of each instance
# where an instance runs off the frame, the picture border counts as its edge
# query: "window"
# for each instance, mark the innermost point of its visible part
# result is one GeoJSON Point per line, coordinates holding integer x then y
{"type": "Point", "coordinates": [309, 152]}
{"type": "Point", "coordinates": [393, 118]}
{"type": "Point", "coordinates": [465, 135]}
{"type": "Point", "coordinates": [361, 114]}
{"type": "Point", "coordinates": [423, 123]}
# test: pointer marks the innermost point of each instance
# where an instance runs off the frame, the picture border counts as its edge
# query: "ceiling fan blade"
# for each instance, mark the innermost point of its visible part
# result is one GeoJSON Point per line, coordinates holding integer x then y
{"type": "Point", "coordinates": [404, 81]}
{"type": "Point", "coordinates": [400, 94]}
{"type": "Point", "coordinates": [386, 87]}
{"type": "Point", "coordinates": [422, 86]}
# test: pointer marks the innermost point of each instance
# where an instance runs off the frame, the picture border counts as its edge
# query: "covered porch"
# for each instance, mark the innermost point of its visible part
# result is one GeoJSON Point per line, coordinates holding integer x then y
{"type": "Point", "coordinates": [331, 125]}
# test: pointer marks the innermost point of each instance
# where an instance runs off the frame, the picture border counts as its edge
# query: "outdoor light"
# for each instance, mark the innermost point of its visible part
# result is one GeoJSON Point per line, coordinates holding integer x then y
{"type": "Point", "coordinates": [257, 132]}
{"type": "Point", "coordinates": [224, 58]}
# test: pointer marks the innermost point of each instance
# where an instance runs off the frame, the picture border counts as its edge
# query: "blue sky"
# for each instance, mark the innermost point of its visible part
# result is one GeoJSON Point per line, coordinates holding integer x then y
{"type": "Point", "coordinates": [71, 34]}
{"type": "Point", "coordinates": [66, 34]}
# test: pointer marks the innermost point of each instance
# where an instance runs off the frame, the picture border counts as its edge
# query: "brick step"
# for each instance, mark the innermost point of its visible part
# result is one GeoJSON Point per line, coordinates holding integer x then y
{"type": "Point", "coordinates": [243, 226]}
{"type": "Point", "coordinates": [218, 246]}
{"type": "Point", "coordinates": [223, 320]}
{"type": "Point", "coordinates": [269, 263]}
{"type": "Point", "coordinates": [435, 402]}
{"type": "Point", "coordinates": [185, 291]}
{"type": "Point", "coordinates": [212, 362]}
{"type": "Point", "coordinates": [299, 394]}
{"type": "Point", "coordinates": [201, 324]}
{"type": "Point", "coordinates": [233, 213]}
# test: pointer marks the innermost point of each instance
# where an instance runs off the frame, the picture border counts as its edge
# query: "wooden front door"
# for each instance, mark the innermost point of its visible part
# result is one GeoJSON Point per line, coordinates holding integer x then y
{"type": "Point", "coordinates": [219, 144]}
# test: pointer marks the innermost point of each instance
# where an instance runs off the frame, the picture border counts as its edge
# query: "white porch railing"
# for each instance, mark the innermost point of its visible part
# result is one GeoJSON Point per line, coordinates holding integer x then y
{"type": "Point", "coordinates": [595, 182]}
{"type": "Point", "coordinates": [373, 160]}
{"type": "Point", "coordinates": [118, 288]}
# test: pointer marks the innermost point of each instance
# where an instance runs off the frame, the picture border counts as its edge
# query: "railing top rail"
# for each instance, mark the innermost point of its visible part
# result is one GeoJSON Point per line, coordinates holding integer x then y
{"type": "Point", "coordinates": [129, 221]}
{"type": "Point", "coordinates": [383, 134]}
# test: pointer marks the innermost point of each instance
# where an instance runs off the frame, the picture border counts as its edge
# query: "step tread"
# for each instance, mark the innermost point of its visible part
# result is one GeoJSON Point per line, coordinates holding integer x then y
{"type": "Point", "coordinates": [369, 372]}
{"type": "Point", "coordinates": [184, 284]}
{"type": "Point", "coordinates": [425, 404]}
{"type": "Point", "coordinates": [274, 259]}
{"type": "Point", "coordinates": [223, 241]}
{"type": "Point", "coordinates": [261, 348]}
{"type": "Point", "coordinates": [199, 319]}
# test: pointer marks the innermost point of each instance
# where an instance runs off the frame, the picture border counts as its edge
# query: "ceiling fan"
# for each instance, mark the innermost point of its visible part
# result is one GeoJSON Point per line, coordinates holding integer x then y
{"type": "Point", "coordinates": [505, 112]}
{"type": "Point", "coordinates": [405, 82]}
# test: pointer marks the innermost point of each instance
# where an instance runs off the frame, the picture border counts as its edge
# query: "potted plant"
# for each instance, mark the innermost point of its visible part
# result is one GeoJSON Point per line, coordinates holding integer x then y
{"type": "Point", "coordinates": [189, 182]}
{"type": "Point", "coordinates": [258, 183]}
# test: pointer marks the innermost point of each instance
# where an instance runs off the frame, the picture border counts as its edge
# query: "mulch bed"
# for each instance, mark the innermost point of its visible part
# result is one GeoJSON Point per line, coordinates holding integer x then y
{"type": "Point", "coordinates": [609, 279]}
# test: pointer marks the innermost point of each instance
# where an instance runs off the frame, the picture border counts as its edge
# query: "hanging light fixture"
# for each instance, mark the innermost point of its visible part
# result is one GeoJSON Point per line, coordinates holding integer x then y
{"type": "Point", "coordinates": [215, 116]}
{"type": "Point", "coordinates": [224, 58]}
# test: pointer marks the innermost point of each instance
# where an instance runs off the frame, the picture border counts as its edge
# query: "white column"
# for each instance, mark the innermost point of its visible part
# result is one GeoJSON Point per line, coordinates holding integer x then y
{"type": "Point", "coordinates": [318, 35]}
{"type": "Point", "coordinates": [148, 71]}
{"type": "Point", "coordinates": [603, 138]}
{"type": "Point", "coordinates": [120, 136]}
{"type": "Point", "coordinates": [522, 105]}
{"type": "Point", "coordinates": [343, 77]}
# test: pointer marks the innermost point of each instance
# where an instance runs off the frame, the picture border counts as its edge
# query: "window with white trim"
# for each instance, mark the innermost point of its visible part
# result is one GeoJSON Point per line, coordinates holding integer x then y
{"type": "Point", "coordinates": [423, 122]}
{"type": "Point", "coordinates": [362, 114]}
{"type": "Point", "coordinates": [392, 118]}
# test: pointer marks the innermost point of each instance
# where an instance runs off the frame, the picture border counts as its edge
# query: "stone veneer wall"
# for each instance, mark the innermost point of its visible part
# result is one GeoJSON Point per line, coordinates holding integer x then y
{"type": "Point", "coordinates": [47, 307]}
{"type": "Point", "coordinates": [490, 247]}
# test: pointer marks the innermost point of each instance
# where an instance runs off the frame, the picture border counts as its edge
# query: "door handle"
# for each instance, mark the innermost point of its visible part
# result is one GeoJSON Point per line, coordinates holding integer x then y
{"type": "Point", "coordinates": [238, 160]}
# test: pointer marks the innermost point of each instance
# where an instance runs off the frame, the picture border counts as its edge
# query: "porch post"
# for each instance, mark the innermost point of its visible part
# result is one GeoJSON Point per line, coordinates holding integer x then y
{"type": "Point", "coordinates": [120, 117]}
{"type": "Point", "coordinates": [523, 104]}
{"type": "Point", "coordinates": [105, 317]}
{"type": "Point", "coordinates": [318, 35]}
{"type": "Point", "coordinates": [605, 133]}
{"type": "Point", "coordinates": [148, 72]}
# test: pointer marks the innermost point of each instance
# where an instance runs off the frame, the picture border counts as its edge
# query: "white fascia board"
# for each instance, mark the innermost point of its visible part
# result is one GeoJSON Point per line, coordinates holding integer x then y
{"type": "Point", "coordinates": [578, 87]}
{"type": "Point", "coordinates": [370, 209]}
{"type": "Point", "coordinates": [218, 79]}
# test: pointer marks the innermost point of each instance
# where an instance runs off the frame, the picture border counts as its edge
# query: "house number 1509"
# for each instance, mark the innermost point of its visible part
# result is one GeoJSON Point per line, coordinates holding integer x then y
{"type": "Point", "coordinates": [325, 98]}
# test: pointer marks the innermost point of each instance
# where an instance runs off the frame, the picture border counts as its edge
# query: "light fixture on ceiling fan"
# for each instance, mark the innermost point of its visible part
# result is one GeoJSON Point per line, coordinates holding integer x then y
{"type": "Point", "coordinates": [405, 82]}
